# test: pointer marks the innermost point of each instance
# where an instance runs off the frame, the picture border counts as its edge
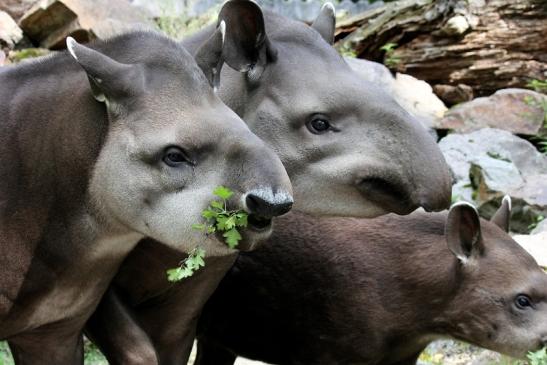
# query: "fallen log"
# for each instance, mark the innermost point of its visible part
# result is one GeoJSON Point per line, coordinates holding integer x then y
{"type": "Point", "coordinates": [487, 45]}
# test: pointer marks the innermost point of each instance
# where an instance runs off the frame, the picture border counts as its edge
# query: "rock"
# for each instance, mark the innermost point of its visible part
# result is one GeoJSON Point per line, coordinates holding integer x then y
{"type": "Point", "coordinates": [10, 33]}
{"type": "Point", "coordinates": [373, 72]}
{"type": "Point", "coordinates": [518, 111]}
{"type": "Point", "coordinates": [453, 95]}
{"type": "Point", "coordinates": [536, 245]}
{"type": "Point", "coordinates": [489, 163]}
{"type": "Point", "coordinates": [412, 94]}
{"type": "Point", "coordinates": [455, 26]}
{"type": "Point", "coordinates": [417, 97]}
{"type": "Point", "coordinates": [49, 22]}
{"type": "Point", "coordinates": [16, 8]}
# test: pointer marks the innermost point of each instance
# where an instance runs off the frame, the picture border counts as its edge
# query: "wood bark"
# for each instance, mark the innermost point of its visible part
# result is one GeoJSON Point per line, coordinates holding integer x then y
{"type": "Point", "coordinates": [488, 45]}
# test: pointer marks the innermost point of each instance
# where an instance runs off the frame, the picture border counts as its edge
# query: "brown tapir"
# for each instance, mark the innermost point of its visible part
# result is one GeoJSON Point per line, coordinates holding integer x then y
{"type": "Point", "coordinates": [349, 149]}
{"type": "Point", "coordinates": [100, 147]}
{"type": "Point", "coordinates": [356, 291]}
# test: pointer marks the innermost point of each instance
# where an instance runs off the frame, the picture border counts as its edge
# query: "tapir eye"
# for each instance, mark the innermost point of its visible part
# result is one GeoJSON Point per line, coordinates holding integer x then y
{"type": "Point", "coordinates": [318, 125]}
{"type": "Point", "coordinates": [523, 301]}
{"type": "Point", "coordinates": [174, 157]}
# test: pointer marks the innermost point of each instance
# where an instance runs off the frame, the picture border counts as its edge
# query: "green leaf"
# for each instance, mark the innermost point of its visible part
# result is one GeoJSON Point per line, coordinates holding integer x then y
{"type": "Point", "coordinates": [223, 192]}
{"type": "Point", "coordinates": [221, 222]}
{"type": "Point", "coordinates": [209, 214]}
{"type": "Point", "coordinates": [241, 219]}
{"type": "Point", "coordinates": [538, 357]}
{"type": "Point", "coordinates": [217, 204]}
{"type": "Point", "coordinates": [211, 229]}
{"type": "Point", "coordinates": [173, 275]}
{"type": "Point", "coordinates": [230, 223]}
{"type": "Point", "coordinates": [198, 227]}
{"type": "Point", "coordinates": [232, 237]}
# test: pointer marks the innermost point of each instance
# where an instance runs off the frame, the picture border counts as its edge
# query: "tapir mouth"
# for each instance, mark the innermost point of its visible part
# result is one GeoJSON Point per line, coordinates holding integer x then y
{"type": "Point", "coordinates": [388, 194]}
{"type": "Point", "coordinates": [258, 223]}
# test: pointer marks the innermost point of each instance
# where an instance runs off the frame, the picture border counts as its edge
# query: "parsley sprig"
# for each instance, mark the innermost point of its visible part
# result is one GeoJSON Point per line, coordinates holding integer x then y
{"type": "Point", "coordinates": [217, 219]}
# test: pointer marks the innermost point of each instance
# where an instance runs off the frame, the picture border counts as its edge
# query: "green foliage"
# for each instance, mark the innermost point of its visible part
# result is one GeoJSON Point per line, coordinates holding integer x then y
{"type": "Point", "coordinates": [220, 219]}
{"type": "Point", "coordinates": [497, 156]}
{"type": "Point", "coordinates": [23, 54]}
{"type": "Point", "coordinates": [182, 25]}
{"type": "Point", "coordinates": [217, 219]}
{"type": "Point", "coordinates": [542, 104]}
{"type": "Point", "coordinates": [534, 224]}
{"type": "Point", "coordinates": [389, 59]}
{"type": "Point", "coordinates": [5, 354]}
{"type": "Point", "coordinates": [347, 51]}
{"type": "Point", "coordinates": [92, 355]}
{"type": "Point", "coordinates": [538, 85]}
{"type": "Point", "coordinates": [538, 357]}
{"type": "Point", "coordinates": [188, 266]}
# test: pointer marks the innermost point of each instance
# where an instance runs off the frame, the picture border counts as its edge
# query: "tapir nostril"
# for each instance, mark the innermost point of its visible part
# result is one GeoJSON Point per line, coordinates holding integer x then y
{"type": "Point", "coordinates": [268, 205]}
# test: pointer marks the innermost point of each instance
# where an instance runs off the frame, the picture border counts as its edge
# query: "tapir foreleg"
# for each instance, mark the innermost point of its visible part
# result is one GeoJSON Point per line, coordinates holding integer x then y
{"type": "Point", "coordinates": [115, 331]}
{"type": "Point", "coordinates": [41, 347]}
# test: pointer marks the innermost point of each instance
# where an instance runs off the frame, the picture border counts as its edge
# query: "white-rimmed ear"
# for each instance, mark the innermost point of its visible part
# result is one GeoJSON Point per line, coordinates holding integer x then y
{"type": "Point", "coordinates": [463, 231]}
{"type": "Point", "coordinates": [209, 56]}
{"type": "Point", "coordinates": [109, 79]}
{"type": "Point", "coordinates": [502, 217]}
{"type": "Point", "coordinates": [242, 42]}
{"type": "Point", "coordinates": [325, 23]}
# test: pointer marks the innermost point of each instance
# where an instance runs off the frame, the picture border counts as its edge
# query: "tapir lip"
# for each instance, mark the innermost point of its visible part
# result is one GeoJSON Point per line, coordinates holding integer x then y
{"type": "Point", "coordinates": [259, 224]}
{"type": "Point", "coordinates": [390, 195]}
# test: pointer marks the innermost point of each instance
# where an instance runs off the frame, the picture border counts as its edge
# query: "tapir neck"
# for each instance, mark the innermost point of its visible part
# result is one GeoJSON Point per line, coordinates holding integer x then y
{"type": "Point", "coordinates": [51, 133]}
{"type": "Point", "coordinates": [427, 280]}
{"type": "Point", "coordinates": [55, 130]}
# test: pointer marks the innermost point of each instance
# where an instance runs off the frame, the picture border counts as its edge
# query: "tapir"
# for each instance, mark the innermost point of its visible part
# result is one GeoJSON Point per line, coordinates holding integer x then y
{"type": "Point", "coordinates": [348, 148]}
{"type": "Point", "coordinates": [100, 147]}
{"type": "Point", "coordinates": [356, 291]}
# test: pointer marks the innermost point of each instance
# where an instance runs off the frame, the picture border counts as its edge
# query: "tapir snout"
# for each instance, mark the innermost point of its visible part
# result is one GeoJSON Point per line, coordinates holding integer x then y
{"type": "Point", "coordinates": [267, 204]}
{"type": "Point", "coordinates": [413, 170]}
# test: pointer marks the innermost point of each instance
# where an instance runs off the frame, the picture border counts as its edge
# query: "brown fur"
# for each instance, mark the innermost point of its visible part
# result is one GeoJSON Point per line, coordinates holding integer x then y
{"type": "Point", "coordinates": [355, 291]}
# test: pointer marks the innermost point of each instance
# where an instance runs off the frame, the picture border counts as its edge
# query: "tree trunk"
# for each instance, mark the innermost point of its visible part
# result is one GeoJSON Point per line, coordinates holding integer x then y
{"type": "Point", "coordinates": [488, 45]}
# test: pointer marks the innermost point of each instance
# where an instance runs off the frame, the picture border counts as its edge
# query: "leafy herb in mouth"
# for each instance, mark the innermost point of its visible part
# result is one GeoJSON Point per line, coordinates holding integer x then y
{"type": "Point", "coordinates": [217, 219]}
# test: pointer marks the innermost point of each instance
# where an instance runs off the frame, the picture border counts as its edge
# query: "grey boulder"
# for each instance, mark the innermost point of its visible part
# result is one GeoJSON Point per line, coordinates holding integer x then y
{"type": "Point", "coordinates": [489, 163]}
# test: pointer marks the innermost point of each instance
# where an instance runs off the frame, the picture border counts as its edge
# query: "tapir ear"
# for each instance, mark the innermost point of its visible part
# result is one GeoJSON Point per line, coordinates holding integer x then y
{"type": "Point", "coordinates": [463, 231]}
{"type": "Point", "coordinates": [502, 216]}
{"type": "Point", "coordinates": [110, 80]}
{"type": "Point", "coordinates": [325, 23]}
{"type": "Point", "coordinates": [209, 56]}
{"type": "Point", "coordinates": [240, 40]}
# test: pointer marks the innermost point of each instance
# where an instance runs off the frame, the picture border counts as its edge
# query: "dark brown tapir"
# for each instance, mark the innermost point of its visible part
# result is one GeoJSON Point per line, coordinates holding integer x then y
{"type": "Point", "coordinates": [375, 292]}
{"type": "Point", "coordinates": [100, 147]}
{"type": "Point", "coordinates": [349, 149]}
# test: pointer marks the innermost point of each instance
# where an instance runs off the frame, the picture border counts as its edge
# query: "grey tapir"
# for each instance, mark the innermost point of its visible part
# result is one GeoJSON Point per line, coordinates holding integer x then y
{"type": "Point", "coordinates": [349, 149]}
{"type": "Point", "coordinates": [357, 291]}
{"type": "Point", "coordinates": [87, 169]}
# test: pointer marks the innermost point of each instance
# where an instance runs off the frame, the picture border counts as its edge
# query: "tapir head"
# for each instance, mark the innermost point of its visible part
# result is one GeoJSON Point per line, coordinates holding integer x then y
{"type": "Point", "coordinates": [170, 142]}
{"type": "Point", "coordinates": [349, 148]}
{"type": "Point", "coordinates": [501, 300]}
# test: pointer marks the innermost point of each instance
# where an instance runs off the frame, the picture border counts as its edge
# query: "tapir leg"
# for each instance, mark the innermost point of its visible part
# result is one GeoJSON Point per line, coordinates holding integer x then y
{"type": "Point", "coordinates": [115, 331]}
{"type": "Point", "coordinates": [40, 348]}
{"type": "Point", "coordinates": [172, 322]}
{"type": "Point", "coordinates": [211, 354]}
